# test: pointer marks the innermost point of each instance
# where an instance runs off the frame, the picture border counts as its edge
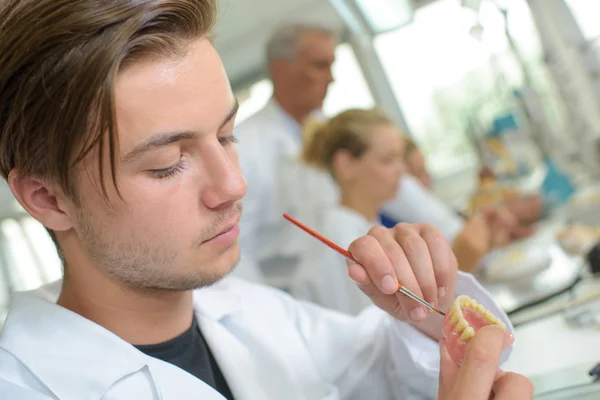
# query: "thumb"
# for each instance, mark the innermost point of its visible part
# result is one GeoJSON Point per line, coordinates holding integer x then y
{"type": "Point", "coordinates": [448, 372]}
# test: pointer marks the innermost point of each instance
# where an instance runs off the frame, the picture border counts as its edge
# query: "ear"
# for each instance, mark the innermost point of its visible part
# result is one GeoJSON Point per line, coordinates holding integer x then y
{"type": "Point", "coordinates": [279, 67]}
{"type": "Point", "coordinates": [344, 165]}
{"type": "Point", "coordinates": [44, 202]}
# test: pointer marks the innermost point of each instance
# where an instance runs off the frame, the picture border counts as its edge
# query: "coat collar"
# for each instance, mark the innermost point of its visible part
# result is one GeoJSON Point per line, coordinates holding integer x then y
{"type": "Point", "coordinates": [38, 332]}
{"type": "Point", "coordinates": [53, 343]}
{"type": "Point", "coordinates": [218, 301]}
{"type": "Point", "coordinates": [291, 125]}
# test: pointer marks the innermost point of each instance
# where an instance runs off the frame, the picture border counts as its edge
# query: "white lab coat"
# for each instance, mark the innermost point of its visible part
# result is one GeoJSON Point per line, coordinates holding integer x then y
{"type": "Point", "coordinates": [268, 346]}
{"type": "Point", "coordinates": [270, 143]}
{"type": "Point", "coordinates": [269, 146]}
{"type": "Point", "coordinates": [322, 276]}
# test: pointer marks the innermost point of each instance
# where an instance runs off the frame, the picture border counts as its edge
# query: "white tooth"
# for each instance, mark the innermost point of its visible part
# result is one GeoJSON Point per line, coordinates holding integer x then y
{"type": "Point", "coordinates": [500, 324]}
{"type": "Point", "coordinates": [481, 309]}
{"type": "Point", "coordinates": [455, 308]}
{"type": "Point", "coordinates": [451, 309]}
{"type": "Point", "coordinates": [449, 314]}
{"type": "Point", "coordinates": [467, 334]}
{"type": "Point", "coordinates": [465, 301]}
{"type": "Point", "coordinates": [455, 318]}
{"type": "Point", "coordinates": [461, 299]}
{"type": "Point", "coordinates": [461, 325]}
{"type": "Point", "coordinates": [456, 303]}
{"type": "Point", "coordinates": [489, 317]}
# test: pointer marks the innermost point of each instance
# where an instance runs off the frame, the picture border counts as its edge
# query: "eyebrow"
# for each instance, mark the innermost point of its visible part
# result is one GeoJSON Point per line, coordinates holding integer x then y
{"type": "Point", "coordinates": [159, 140]}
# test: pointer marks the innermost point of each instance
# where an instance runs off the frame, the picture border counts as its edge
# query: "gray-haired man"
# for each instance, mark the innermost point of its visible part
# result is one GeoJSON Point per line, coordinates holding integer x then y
{"type": "Point", "coordinates": [299, 60]}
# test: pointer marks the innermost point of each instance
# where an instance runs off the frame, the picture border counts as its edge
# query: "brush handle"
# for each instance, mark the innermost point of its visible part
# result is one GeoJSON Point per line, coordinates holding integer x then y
{"type": "Point", "coordinates": [347, 254]}
{"type": "Point", "coordinates": [416, 298]}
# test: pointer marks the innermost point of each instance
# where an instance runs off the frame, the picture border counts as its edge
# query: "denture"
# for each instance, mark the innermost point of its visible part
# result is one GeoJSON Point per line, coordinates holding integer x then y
{"type": "Point", "coordinates": [464, 318]}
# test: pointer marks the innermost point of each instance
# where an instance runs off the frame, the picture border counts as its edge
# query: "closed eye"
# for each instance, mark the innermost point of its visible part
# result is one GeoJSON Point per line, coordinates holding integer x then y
{"type": "Point", "coordinates": [168, 172]}
{"type": "Point", "coordinates": [228, 139]}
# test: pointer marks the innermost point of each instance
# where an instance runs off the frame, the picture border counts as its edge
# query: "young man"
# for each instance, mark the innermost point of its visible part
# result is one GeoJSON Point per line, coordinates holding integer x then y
{"type": "Point", "coordinates": [116, 120]}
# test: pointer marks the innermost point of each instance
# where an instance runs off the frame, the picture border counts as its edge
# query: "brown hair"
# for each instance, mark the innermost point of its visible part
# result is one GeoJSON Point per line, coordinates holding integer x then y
{"type": "Point", "coordinates": [347, 131]}
{"type": "Point", "coordinates": [409, 146]}
{"type": "Point", "coordinates": [58, 65]}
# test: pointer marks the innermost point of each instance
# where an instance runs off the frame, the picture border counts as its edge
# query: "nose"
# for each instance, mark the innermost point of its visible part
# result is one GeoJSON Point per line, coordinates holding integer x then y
{"type": "Point", "coordinates": [330, 77]}
{"type": "Point", "coordinates": [225, 184]}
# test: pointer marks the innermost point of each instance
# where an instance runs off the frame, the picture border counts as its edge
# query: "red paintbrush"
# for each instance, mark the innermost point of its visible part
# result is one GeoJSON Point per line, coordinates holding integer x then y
{"type": "Point", "coordinates": [347, 254]}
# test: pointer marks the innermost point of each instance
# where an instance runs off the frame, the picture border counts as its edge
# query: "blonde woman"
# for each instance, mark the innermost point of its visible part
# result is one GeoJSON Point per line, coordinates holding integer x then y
{"type": "Point", "coordinates": [363, 152]}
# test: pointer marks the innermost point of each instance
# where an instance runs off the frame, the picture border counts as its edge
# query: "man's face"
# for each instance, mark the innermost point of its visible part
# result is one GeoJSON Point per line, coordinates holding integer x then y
{"type": "Point", "coordinates": [310, 72]}
{"type": "Point", "coordinates": [178, 174]}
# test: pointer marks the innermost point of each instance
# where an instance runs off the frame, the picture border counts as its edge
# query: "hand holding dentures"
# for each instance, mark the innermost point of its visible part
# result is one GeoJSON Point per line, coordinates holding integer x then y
{"type": "Point", "coordinates": [472, 338]}
{"type": "Point", "coordinates": [478, 377]}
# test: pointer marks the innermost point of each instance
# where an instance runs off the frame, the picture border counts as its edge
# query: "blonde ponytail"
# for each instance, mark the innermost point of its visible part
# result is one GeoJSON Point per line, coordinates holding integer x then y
{"type": "Point", "coordinates": [409, 145]}
{"type": "Point", "coordinates": [347, 131]}
{"type": "Point", "coordinates": [314, 144]}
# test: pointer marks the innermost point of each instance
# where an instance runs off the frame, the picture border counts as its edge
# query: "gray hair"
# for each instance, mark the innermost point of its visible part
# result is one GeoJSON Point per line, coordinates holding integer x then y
{"type": "Point", "coordinates": [283, 42]}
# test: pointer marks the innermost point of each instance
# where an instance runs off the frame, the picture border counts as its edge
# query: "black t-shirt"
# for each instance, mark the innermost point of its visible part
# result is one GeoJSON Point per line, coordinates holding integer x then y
{"type": "Point", "coordinates": [190, 352]}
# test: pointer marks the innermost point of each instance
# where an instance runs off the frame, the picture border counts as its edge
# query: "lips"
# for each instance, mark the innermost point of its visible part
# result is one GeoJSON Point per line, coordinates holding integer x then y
{"type": "Point", "coordinates": [464, 318]}
{"type": "Point", "coordinates": [227, 228]}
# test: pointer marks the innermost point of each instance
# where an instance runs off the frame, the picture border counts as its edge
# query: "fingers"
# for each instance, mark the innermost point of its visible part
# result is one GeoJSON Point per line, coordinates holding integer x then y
{"type": "Point", "coordinates": [417, 256]}
{"type": "Point", "coordinates": [369, 253]}
{"type": "Point", "coordinates": [478, 374]}
{"type": "Point", "coordinates": [507, 218]}
{"type": "Point", "coordinates": [442, 259]}
{"type": "Point", "coordinates": [500, 237]}
{"type": "Point", "coordinates": [513, 387]}
{"type": "Point", "coordinates": [477, 233]}
{"type": "Point", "coordinates": [501, 225]}
{"type": "Point", "coordinates": [527, 209]}
{"type": "Point", "coordinates": [479, 366]}
{"type": "Point", "coordinates": [448, 372]}
{"type": "Point", "coordinates": [453, 262]}
{"type": "Point", "coordinates": [360, 277]}
{"type": "Point", "coordinates": [523, 231]}
{"type": "Point", "coordinates": [504, 225]}
{"type": "Point", "coordinates": [394, 268]}
{"type": "Point", "coordinates": [384, 301]}
{"type": "Point", "coordinates": [412, 264]}
{"type": "Point", "coordinates": [419, 277]}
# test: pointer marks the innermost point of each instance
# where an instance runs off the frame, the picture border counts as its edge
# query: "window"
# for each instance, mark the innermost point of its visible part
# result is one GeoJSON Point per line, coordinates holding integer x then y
{"type": "Point", "coordinates": [385, 15]}
{"type": "Point", "coordinates": [28, 254]}
{"type": "Point", "coordinates": [348, 91]}
{"type": "Point", "coordinates": [421, 60]}
{"type": "Point", "coordinates": [28, 258]}
{"type": "Point", "coordinates": [450, 66]}
{"type": "Point", "coordinates": [253, 99]}
{"type": "Point", "coordinates": [586, 14]}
